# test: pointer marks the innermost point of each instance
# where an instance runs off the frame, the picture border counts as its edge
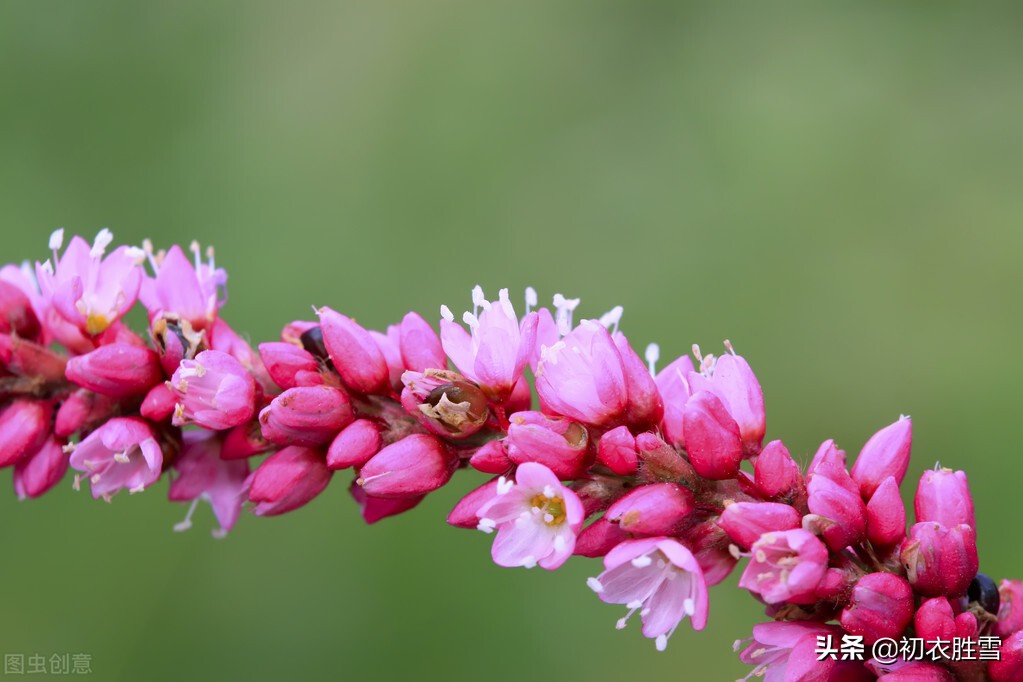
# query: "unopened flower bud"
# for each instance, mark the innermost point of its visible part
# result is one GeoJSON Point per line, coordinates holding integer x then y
{"type": "Point", "coordinates": [712, 437]}
{"type": "Point", "coordinates": [886, 515]}
{"type": "Point", "coordinates": [559, 444]}
{"type": "Point", "coordinates": [464, 514]}
{"type": "Point", "coordinates": [355, 445]}
{"type": "Point", "coordinates": [841, 513]}
{"type": "Point", "coordinates": [287, 480]}
{"type": "Point", "coordinates": [934, 620]}
{"type": "Point", "coordinates": [654, 509]}
{"type": "Point", "coordinates": [775, 473]}
{"type": "Point", "coordinates": [885, 454]}
{"type": "Point", "coordinates": [1010, 609]}
{"type": "Point", "coordinates": [307, 416]}
{"type": "Point", "coordinates": [118, 370]}
{"type": "Point", "coordinates": [159, 403]}
{"type": "Point", "coordinates": [881, 606]}
{"type": "Point", "coordinates": [81, 410]}
{"type": "Point", "coordinates": [491, 458]}
{"type": "Point", "coordinates": [645, 407]}
{"type": "Point", "coordinates": [944, 496]}
{"type": "Point", "coordinates": [375, 509]}
{"type": "Point", "coordinates": [24, 425]}
{"type": "Point", "coordinates": [41, 470]}
{"type": "Point", "coordinates": [599, 538]}
{"type": "Point", "coordinates": [939, 560]}
{"type": "Point", "coordinates": [415, 465]}
{"type": "Point", "coordinates": [420, 346]}
{"type": "Point", "coordinates": [673, 386]}
{"type": "Point", "coordinates": [1009, 666]}
{"type": "Point", "coordinates": [616, 450]}
{"type": "Point", "coordinates": [355, 354]}
{"type": "Point", "coordinates": [734, 382]}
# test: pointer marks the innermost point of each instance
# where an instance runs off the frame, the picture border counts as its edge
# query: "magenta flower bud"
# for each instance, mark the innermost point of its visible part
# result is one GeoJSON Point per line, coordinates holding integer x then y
{"type": "Point", "coordinates": [734, 383]}
{"type": "Point", "coordinates": [599, 538]}
{"type": "Point", "coordinates": [616, 450]}
{"type": "Point", "coordinates": [1009, 666]}
{"type": "Point", "coordinates": [464, 514]}
{"type": "Point", "coordinates": [24, 426]}
{"type": "Point", "coordinates": [420, 346]}
{"type": "Point", "coordinates": [934, 620]}
{"type": "Point", "coordinates": [491, 458]}
{"type": "Point", "coordinates": [214, 391]}
{"type": "Point", "coordinates": [886, 515]}
{"type": "Point", "coordinates": [290, 366]}
{"type": "Point", "coordinates": [841, 516]}
{"type": "Point", "coordinates": [41, 470]}
{"type": "Point", "coordinates": [159, 403]}
{"type": "Point", "coordinates": [355, 445]}
{"type": "Point", "coordinates": [776, 474]}
{"type": "Point", "coordinates": [645, 407]}
{"type": "Point", "coordinates": [673, 386]}
{"type": "Point", "coordinates": [307, 416]}
{"type": "Point", "coordinates": [827, 454]}
{"type": "Point", "coordinates": [119, 370]}
{"type": "Point", "coordinates": [202, 474]}
{"type": "Point", "coordinates": [244, 441]}
{"type": "Point", "coordinates": [654, 509]}
{"type": "Point", "coordinates": [712, 437]}
{"type": "Point", "coordinates": [559, 444]}
{"type": "Point", "coordinates": [1010, 610]}
{"type": "Point", "coordinates": [944, 496]}
{"type": "Point", "coordinates": [966, 626]}
{"type": "Point", "coordinates": [122, 453]}
{"type": "Point", "coordinates": [446, 403]}
{"type": "Point", "coordinates": [16, 313]}
{"type": "Point", "coordinates": [581, 376]}
{"type": "Point", "coordinates": [387, 344]}
{"type": "Point", "coordinates": [940, 561]}
{"type": "Point", "coordinates": [785, 566]}
{"type": "Point", "coordinates": [833, 585]}
{"type": "Point", "coordinates": [881, 606]}
{"type": "Point", "coordinates": [375, 509]}
{"type": "Point", "coordinates": [355, 354]}
{"type": "Point", "coordinates": [885, 454]}
{"type": "Point", "coordinates": [287, 480]}
{"type": "Point", "coordinates": [746, 522]}
{"type": "Point", "coordinates": [81, 410]}
{"type": "Point", "coordinates": [29, 359]}
{"type": "Point", "coordinates": [415, 465]}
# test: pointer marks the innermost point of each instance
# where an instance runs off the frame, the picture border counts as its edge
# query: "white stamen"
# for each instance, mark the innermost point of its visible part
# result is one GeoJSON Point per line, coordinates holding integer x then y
{"type": "Point", "coordinates": [634, 604]}
{"type": "Point", "coordinates": [445, 312]}
{"type": "Point", "coordinates": [531, 299]}
{"type": "Point", "coordinates": [565, 308]}
{"type": "Point", "coordinates": [620, 625]}
{"type": "Point", "coordinates": [661, 642]}
{"type": "Point", "coordinates": [196, 251]}
{"type": "Point", "coordinates": [529, 561]}
{"type": "Point", "coordinates": [57, 239]}
{"type": "Point", "coordinates": [100, 244]}
{"type": "Point", "coordinates": [506, 304]}
{"type": "Point", "coordinates": [187, 522]}
{"type": "Point", "coordinates": [548, 491]}
{"type": "Point", "coordinates": [653, 354]}
{"type": "Point", "coordinates": [121, 458]}
{"type": "Point", "coordinates": [136, 254]}
{"type": "Point", "coordinates": [504, 485]}
{"type": "Point", "coordinates": [642, 561]}
{"type": "Point", "coordinates": [471, 320]}
{"type": "Point", "coordinates": [689, 606]}
{"type": "Point", "coordinates": [47, 267]}
{"type": "Point", "coordinates": [595, 585]}
{"type": "Point", "coordinates": [728, 347]}
{"type": "Point", "coordinates": [612, 317]}
{"type": "Point", "coordinates": [478, 299]}
{"type": "Point", "coordinates": [486, 525]}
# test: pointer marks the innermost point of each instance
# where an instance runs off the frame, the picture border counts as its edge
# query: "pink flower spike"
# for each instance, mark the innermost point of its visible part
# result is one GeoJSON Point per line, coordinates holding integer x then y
{"type": "Point", "coordinates": [730, 378]}
{"type": "Point", "coordinates": [786, 652]}
{"type": "Point", "coordinates": [886, 515]}
{"type": "Point", "coordinates": [673, 385]}
{"type": "Point", "coordinates": [288, 479]}
{"type": "Point", "coordinates": [775, 474]}
{"type": "Point", "coordinates": [306, 416]}
{"type": "Point", "coordinates": [88, 290]}
{"type": "Point", "coordinates": [785, 565]}
{"type": "Point", "coordinates": [653, 509]}
{"type": "Point", "coordinates": [660, 578]}
{"type": "Point", "coordinates": [118, 370]}
{"type": "Point", "coordinates": [40, 471]}
{"type": "Point", "coordinates": [415, 465]}
{"type": "Point", "coordinates": [355, 354]}
{"type": "Point", "coordinates": [24, 426]}
{"type": "Point", "coordinates": [536, 518]}
{"type": "Point", "coordinates": [944, 496]}
{"type": "Point", "coordinates": [355, 445]}
{"type": "Point", "coordinates": [375, 509]}
{"type": "Point", "coordinates": [746, 522]}
{"type": "Point", "coordinates": [559, 444]}
{"type": "Point", "coordinates": [203, 475]}
{"type": "Point", "coordinates": [581, 376]}
{"type": "Point", "coordinates": [712, 437]}
{"type": "Point", "coordinates": [885, 454]}
{"type": "Point", "coordinates": [616, 450]}
{"type": "Point", "coordinates": [123, 453]}
{"type": "Point", "coordinates": [290, 366]}
{"type": "Point", "coordinates": [419, 344]}
{"type": "Point", "coordinates": [645, 407]}
{"type": "Point", "coordinates": [881, 606]}
{"type": "Point", "coordinates": [214, 391]}
{"type": "Point", "coordinates": [181, 289]}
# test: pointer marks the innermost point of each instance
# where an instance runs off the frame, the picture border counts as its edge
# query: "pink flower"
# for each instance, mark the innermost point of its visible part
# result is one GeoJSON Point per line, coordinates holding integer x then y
{"type": "Point", "coordinates": [87, 289]}
{"type": "Point", "coordinates": [581, 376]}
{"type": "Point", "coordinates": [786, 652]}
{"type": "Point", "coordinates": [940, 561]}
{"type": "Point", "coordinates": [559, 444]}
{"type": "Point", "coordinates": [661, 579]}
{"type": "Point", "coordinates": [356, 355]}
{"type": "Point", "coordinates": [785, 565]}
{"type": "Point", "coordinates": [203, 475]}
{"type": "Point", "coordinates": [181, 289]}
{"type": "Point", "coordinates": [497, 347]}
{"type": "Point", "coordinates": [123, 453]}
{"type": "Point", "coordinates": [673, 385]}
{"type": "Point", "coordinates": [536, 517]}
{"type": "Point", "coordinates": [214, 390]}
{"type": "Point", "coordinates": [287, 480]}
{"type": "Point", "coordinates": [730, 378]}
{"type": "Point", "coordinates": [775, 473]}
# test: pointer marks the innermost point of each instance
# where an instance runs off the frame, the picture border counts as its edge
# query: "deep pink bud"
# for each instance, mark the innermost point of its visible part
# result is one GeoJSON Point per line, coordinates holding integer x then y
{"type": "Point", "coordinates": [420, 345]}
{"type": "Point", "coordinates": [616, 450]}
{"type": "Point", "coordinates": [785, 566]}
{"type": "Point", "coordinates": [29, 359]}
{"type": "Point", "coordinates": [356, 356]}
{"type": "Point", "coordinates": [944, 496]}
{"type": "Point", "coordinates": [24, 425]}
{"type": "Point", "coordinates": [446, 403]}
{"type": "Point", "coordinates": [935, 620]}
{"type": "Point", "coordinates": [881, 606]}
{"type": "Point", "coordinates": [557, 443]}
{"type": "Point", "coordinates": [841, 516]}
{"type": "Point", "coordinates": [214, 390]}
{"type": "Point", "coordinates": [387, 344]}
{"type": "Point", "coordinates": [1010, 610]}
{"type": "Point", "coordinates": [81, 410]}
{"type": "Point", "coordinates": [732, 380]}
{"type": "Point", "coordinates": [745, 522]}
{"type": "Point", "coordinates": [660, 460]}
{"type": "Point", "coordinates": [830, 461]}
{"type": "Point", "coordinates": [244, 441]}
{"type": "Point", "coordinates": [673, 385]}
{"type": "Point", "coordinates": [122, 453]}
{"type": "Point", "coordinates": [290, 366]}
{"type": "Point", "coordinates": [307, 416]}
{"type": "Point", "coordinates": [1009, 666]}
{"type": "Point", "coordinates": [939, 560]}
{"type": "Point", "coordinates": [288, 479]}
{"type": "Point", "coordinates": [886, 515]}
{"type": "Point", "coordinates": [599, 538]}
{"type": "Point", "coordinates": [712, 437]}
{"type": "Point", "coordinates": [355, 445]}
{"type": "Point", "coordinates": [645, 407]}
{"type": "Point", "coordinates": [41, 470]}
{"type": "Point", "coordinates": [415, 465]}
{"type": "Point", "coordinates": [375, 509]}
{"type": "Point", "coordinates": [464, 514]}
{"type": "Point", "coordinates": [118, 370]}
{"type": "Point", "coordinates": [491, 458]}
{"type": "Point", "coordinates": [159, 403]}
{"type": "Point", "coordinates": [775, 473]}
{"type": "Point", "coordinates": [885, 454]}
{"type": "Point", "coordinates": [16, 313]}
{"type": "Point", "coordinates": [654, 509]}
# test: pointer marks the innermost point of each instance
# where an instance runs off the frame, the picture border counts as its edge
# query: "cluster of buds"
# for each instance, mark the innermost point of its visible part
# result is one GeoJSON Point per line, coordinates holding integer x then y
{"type": "Point", "coordinates": [664, 475]}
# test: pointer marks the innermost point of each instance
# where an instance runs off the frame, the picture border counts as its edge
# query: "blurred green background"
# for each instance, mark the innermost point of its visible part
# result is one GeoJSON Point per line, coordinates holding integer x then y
{"type": "Point", "coordinates": [834, 187]}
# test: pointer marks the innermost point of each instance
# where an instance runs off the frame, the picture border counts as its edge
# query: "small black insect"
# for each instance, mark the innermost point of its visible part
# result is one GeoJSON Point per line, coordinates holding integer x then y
{"type": "Point", "coordinates": [984, 591]}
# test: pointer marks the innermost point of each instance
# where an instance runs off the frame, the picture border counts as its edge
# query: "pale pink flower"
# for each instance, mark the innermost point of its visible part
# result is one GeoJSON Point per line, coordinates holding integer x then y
{"type": "Point", "coordinates": [536, 517]}
{"type": "Point", "coordinates": [123, 453]}
{"type": "Point", "coordinates": [660, 578]}
{"type": "Point", "coordinates": [785, 565]}
{"type": "Point", "coordinates": [786, 652]}
{"type": "Point", "coordinates": [214, 390]}
{"type": "Point", "coordinates": [186, 290]}
{"type": "Point", "coordinates": [203, 475]}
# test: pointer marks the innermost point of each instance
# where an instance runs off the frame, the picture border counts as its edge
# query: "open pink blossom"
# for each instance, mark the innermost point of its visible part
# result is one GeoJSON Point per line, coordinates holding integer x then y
{"type": "Point", "coordinates": [203, 475]}
{"type": "Point", "coordinates": [785, 565]}
{"type": "Point", "coordinates": [536, 517]}
{"type": "Point", "coordinates": [186, 290]}
{"type": "Point", "coordinates": [786, 652]}
{"type": "Point", "coordinates": [214, 390]}
{"type": "Point", "coordinates": [660, 578]}
{"type": "Point", "coordinates": [123, 453]}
